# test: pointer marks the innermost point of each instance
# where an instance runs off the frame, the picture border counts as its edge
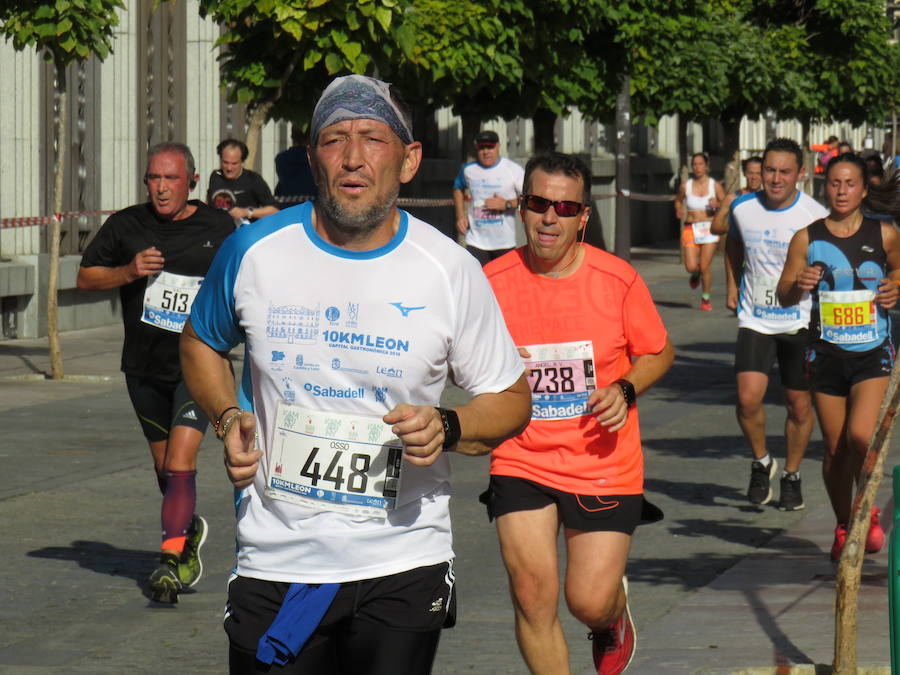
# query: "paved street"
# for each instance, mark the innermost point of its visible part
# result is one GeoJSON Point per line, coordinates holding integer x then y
{"type": "Point", "coordinates": [717, 587]}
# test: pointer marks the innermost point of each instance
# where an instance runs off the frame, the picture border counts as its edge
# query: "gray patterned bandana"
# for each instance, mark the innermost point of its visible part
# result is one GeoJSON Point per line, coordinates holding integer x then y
{"type": "Point", "coordinates": [355, 97]}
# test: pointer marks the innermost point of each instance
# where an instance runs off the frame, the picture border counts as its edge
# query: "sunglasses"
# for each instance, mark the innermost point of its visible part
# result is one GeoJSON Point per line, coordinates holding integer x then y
{"type": "Point", "coordinates": [565, 209]}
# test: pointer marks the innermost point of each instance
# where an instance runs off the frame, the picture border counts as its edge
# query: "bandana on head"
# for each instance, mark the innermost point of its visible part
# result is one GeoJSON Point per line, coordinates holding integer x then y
{"type": "Point", "coordinates": [355, 97]}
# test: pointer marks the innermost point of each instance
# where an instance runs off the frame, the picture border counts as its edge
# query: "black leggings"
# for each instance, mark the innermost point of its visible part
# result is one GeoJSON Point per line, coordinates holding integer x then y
{"type": "Point", "coordinates": [363, 648]}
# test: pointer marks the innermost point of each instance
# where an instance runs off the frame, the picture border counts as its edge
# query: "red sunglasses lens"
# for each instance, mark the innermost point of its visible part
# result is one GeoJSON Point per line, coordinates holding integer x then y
{"type": "Point", "coordinates": [565, 209]}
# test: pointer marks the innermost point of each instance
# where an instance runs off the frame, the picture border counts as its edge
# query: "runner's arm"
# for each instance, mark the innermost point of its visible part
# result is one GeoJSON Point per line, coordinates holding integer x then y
{"type": "Point", "coordinates": [734, 269]}
{"type": "Point", "coordinates": [720, 220]}
{"type": "Point", "coordinates": [100, 278]}
{"type": "Point", "coordinates": [459, 208]}
{"type": "Point", "coordinates": [485, 422]}
{"type": "Point", "coordinates": [719, 194]}
{"type": "Point", "coordinates": [210, 379]}
{"type": "Point", "coordinates": [680, 213]}
{"type": "Point", "coordinates": [608, 404]}
{"type": "Point", "coordinates": [797, 277]}
{"type": "Point", "coordinates": [888, 291]}
{"type": "Point", "coordinates": [258, 212]}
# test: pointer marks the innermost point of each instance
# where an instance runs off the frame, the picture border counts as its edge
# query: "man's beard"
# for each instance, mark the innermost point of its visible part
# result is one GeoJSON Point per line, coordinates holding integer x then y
{"type": "Point", "coordinates": [357, 225]}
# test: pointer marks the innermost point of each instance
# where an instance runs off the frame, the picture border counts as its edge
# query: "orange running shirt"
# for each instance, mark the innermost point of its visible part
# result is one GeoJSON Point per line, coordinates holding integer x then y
{"type": "Point", "coordinates": [606, 304]}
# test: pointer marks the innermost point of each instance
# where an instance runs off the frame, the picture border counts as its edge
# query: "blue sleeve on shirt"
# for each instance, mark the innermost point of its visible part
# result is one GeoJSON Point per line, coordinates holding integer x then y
{"type": "Point", "coordinates": [213, 315]}
{"type": "Point", "coordinates": [460, 182]}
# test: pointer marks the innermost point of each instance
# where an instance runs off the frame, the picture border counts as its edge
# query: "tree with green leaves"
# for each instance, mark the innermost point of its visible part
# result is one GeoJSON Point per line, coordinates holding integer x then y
{"type": "Point", "coordinates": [63, 31]}
{"type": "Point", "coordinates": [277, 55]}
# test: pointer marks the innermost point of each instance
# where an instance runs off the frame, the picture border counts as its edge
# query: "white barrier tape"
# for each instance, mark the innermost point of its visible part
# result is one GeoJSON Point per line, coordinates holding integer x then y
{"type": "Point", "coordinates": [421, 201]}
{"type": "Point", "coordinates": [27, 221]}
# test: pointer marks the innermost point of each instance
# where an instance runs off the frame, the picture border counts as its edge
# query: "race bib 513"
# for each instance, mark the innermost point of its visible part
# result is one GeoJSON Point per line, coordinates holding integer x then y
{"type": "Point", "coordinates": [168, 300]}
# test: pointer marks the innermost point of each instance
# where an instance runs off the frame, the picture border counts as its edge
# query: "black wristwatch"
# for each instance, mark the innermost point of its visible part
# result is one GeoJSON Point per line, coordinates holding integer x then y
{"type": "Point", "coordinates": [628, 392]}
{"type": "Point", "coordinates": [452, 430]}
{"type": "Point", "coordinates": [508, 205]}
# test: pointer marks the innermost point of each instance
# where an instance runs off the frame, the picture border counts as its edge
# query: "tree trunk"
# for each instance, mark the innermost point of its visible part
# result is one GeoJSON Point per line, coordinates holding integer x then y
{"type": "Point", "coordinates": [684, 171]}
{"type": "Point", "coordinates": [544, 123]}
{"type": "Point", "coordinates": [622, 246]}
{"type": "Point", "coordinates": [471, 125]}
{"type": "Point", "coordinates": [809, 160]}
{"type": "Point", "coordinates": [261, 113]}
{"type": "Point", "coordinates": [56, 362]}
{"type": "Point", "coordinates": [732, 177]}
{"type": "Point", "coordinates": [847, 586]}
{"type": "Point", "coordinates": [254, 132]}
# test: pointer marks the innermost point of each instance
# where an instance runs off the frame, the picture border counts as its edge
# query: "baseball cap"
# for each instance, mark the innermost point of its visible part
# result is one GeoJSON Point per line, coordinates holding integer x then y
{"type": "Point", "coordinates": [487, 138]}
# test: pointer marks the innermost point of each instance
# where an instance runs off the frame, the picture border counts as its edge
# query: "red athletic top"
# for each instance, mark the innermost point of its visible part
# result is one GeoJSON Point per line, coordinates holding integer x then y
{"type": "Point", "coordinates": [606, 305]}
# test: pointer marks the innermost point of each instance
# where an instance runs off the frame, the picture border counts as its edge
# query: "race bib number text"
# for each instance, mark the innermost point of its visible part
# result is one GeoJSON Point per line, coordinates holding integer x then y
{"type": "Point", "coordinates": [334, 462]}
{"type": "Point", "coordinates": [848, 317]}
{"type": "Point", "coordinates": [765, 301]}
{"type": "Point", "coordinates": [561, 377]}
{"type": "Point", "coordinates": [168, 300]}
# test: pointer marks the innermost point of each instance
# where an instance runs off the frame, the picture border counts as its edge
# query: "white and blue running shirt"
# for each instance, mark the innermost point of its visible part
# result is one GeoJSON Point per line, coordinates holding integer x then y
{"type": "Point", "coordinates": [490, 230]}
{"type": "Point", "coordinates": [765, 234]}
{"type": "Point", "coordinates": [350, 332]}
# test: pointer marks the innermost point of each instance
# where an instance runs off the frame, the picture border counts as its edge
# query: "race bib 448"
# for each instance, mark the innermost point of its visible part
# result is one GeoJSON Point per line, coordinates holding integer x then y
{"type": "Point", "coordinates": [334, 462]}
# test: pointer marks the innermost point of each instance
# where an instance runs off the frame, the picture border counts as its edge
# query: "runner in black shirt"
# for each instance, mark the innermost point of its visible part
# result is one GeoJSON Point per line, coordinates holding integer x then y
{"type": "Point", "coordinates": [241, 192]}
{"type": "Point", "coordinates": [156, 254]}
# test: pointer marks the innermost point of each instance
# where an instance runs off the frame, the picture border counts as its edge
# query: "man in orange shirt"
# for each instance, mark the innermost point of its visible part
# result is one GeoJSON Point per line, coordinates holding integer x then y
{"type": "Point", "coordinates": [592, 340]}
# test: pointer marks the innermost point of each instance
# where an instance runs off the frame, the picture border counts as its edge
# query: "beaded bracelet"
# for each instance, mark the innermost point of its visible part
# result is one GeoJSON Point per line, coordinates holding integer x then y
{"type": "Point", "coordinates": [228, 423]}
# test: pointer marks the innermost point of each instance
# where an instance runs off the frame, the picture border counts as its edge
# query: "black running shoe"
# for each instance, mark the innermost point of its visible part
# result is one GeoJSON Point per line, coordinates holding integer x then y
{"type": "Point", "coordinates": [791, 496]}
{"type": "Point", "coordinates": [760, 490]}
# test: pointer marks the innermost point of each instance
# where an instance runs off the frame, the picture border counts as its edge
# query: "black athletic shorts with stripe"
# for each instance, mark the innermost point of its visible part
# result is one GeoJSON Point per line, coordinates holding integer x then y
{"type": "Point", "coordinates": [161, 405]}
{"type": "Point", "coordinates": [382, 626]}
{"type": "Point", "coordinates": [589, 513]}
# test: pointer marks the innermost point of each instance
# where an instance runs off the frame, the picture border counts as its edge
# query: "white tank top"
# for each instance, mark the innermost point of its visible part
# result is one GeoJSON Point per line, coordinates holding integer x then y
{"type": "Point", "coordinates": [695, 202]}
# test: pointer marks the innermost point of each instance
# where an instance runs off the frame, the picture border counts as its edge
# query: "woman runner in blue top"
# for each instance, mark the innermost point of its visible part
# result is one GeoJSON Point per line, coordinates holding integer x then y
{"type": "Point", "coordinates": [851, 266]}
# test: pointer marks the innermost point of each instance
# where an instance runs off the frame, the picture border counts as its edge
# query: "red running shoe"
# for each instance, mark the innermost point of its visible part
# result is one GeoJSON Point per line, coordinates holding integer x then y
{"type": "Point", "coordinates": [705, 305]}
{"type": "Point", "coordinates": [614, 647]}
{"type": "Point", "coordinates": [875, 537]}
{"type": "Point", "coordinates": [840, 538]}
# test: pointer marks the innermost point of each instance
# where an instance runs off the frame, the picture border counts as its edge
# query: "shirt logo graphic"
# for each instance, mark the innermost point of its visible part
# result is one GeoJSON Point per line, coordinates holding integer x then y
{"type": "Point", "coordinates": [868, 249]}
{"type": "Point", "coordinates": [403, 309]}
{"type": "Point", "coordinates": [208, 244]}
{"type": "Point", "coordinates": [189, 415]}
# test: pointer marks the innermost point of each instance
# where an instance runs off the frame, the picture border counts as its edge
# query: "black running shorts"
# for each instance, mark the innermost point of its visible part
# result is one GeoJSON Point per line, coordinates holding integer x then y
{"type": "Point", "coordinates": [590, 513]}
{"type": "Point", "coordinates": [836, 374]}
{"type": "Point", "coordinates": [161, 405]}
{"type": "Point", "coordinates": [380, 626]}
{"type": "Point", "coordinates": [757, 352]}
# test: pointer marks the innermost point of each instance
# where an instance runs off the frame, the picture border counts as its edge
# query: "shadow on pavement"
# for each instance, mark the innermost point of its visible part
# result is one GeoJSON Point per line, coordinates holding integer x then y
{"type": "Point", "coordinates": [676, 305]}
{"type": "Point", "coordinates": [103, 558]}
{"type": "Point", "coordinates": [696, 493]}
{"type": "Point", "coordinates": [23, 353]}
{"type": "Point", "coordinates": [701, 447]}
